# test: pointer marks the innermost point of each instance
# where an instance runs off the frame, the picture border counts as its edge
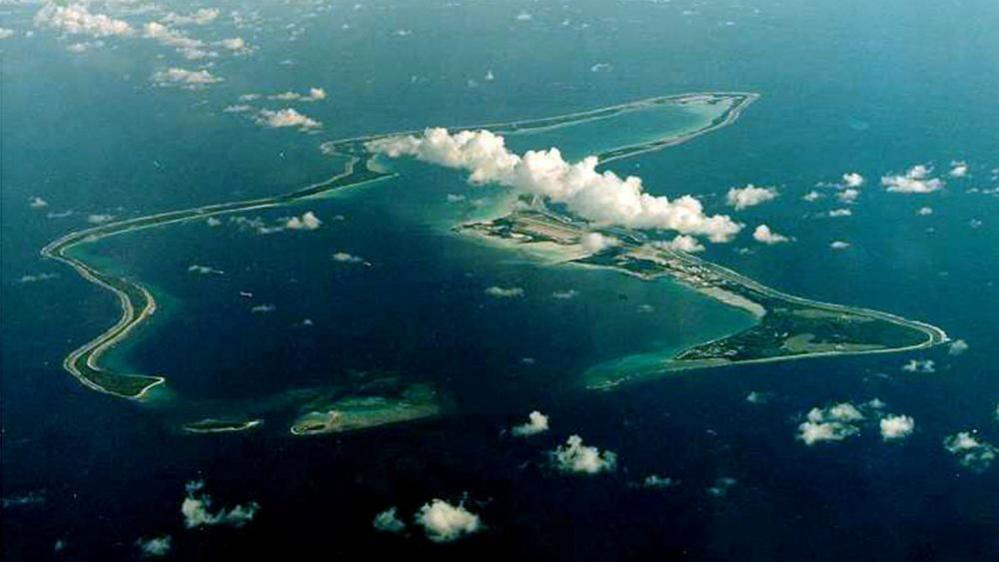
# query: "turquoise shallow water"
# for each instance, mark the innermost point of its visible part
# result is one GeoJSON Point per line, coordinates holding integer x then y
{"type": "Point", "coordinates": [845, 86]}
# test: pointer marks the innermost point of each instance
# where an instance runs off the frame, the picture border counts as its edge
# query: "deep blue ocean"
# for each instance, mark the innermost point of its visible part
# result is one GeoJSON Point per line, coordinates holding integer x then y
{"type": "Point", "coordinates": [845, 86]}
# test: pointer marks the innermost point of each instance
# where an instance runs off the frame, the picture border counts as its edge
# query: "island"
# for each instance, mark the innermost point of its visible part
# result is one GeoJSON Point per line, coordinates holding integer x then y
{"type": "Point", "coordinates": [212, 425]}
{"type": "Point", "coordinates": [789, 327]}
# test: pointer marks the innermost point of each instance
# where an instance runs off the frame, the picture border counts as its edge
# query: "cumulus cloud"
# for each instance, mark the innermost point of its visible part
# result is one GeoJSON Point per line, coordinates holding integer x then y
{"type": "Point", "coordinates": [154, 547]}
{"type": "Point", "coordinates": [657, 482]}
{"type": "Point", "coordinates": [203, 16]}
{"type": "Point", "coordinates": [308, 221]}
{"type": "Point", "coordinates": [444, 522]}
{"type": "Point", "coordinates": [204, 270]}
{"type": "Point", "coordinates": [600, 197]}
{"type": "Point", "coordinates": [764, 235]}
{"type": "Point", "coordinates": [682, 243]}
{"type": "Point", "coordinates": [6, 33]}
{"type": "Point", "coordinates": [812, 196]}
{"type": "Point", "coordinates": [287, 117]}
{"type": "Point", "coordinates": [388, 521]}
{"type": "Point", "coordinates": [756, 397]}
{"type": "Point", "coordinates": [853, 179]}
{"type": "Point", "coordinates": [915, 180]}
{"type": "Point", "coordinates": [99, 218]}
{"type": "Point", "coordinates": [236, 45]}
{"type": "Point", "coordinates": [925, 211]}
{"type": "Point", "coordinates": [957, 347]}
{"type": "Point", "coordinates": [722, 487]}
{"type": "Point", "coordinates": [191, 79]}
{"type": "Point", "coordinates": [920, 366]}
{"type": "Point", "coordinates": [839, 245]}
{"type": "Point", "coordinates": [504, 292]}
{"type": "Point", "coordinates": [835, 213]}
{"type": "Point", "coordinates": [578, 458]}
{"type": "Point", "coordinates": [196, 509]}
{"type": "Point", "coordinates": [834, 423]}
{"type": "Point", "coordinates": [536, 423]}
{"type": "Point", "coordinates": [314, 94]}
{"type": "Point", "coordinates": [37, 203]}
{"type": "Point", "coordinates": [190, 48]}
{"type": "Point", "coordinates": [594, 242]}
{"type": "Point", "coordinates": [344, 257]}
{"type": "Point", "coordinates": [749, 196]}
{"type": "Point", "coordinates": [848, 195]}
{"type": "Point", "coordinates": [76, 18]}
{"type": "Point", "coordinates": [958, 169]}
{"type": "Point", "coordinates": [896, 427]}
{"type": "Point", "coordinates": [37, 278]}
{"type": "Point", "coordinates": [972, 453]}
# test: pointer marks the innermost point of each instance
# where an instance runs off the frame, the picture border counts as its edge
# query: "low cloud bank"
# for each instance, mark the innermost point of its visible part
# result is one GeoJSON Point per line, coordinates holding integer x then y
{"type": "Point", "coordinates": [601, 197]}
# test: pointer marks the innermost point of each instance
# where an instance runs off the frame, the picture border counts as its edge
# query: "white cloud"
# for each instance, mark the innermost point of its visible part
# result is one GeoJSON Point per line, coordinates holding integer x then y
{"type": "Point", "coordinates": [600, 197]}
{"type": "Point", "coordinates": [957, 347]}
{"type": "Point", "coordinates": [658, 482]}
{"type": "Point", "coordinates": [834, 423]}
{"type": "Point", "coordinates": [444, 522]}
{"type": "Point", "coordinates": [524, 16]}
{"type": "Point", "coordinates": [839, 245]}
{"type": "Point", "coordinates": [749, 196]}
{"type": "Point", "coordinates": [236, 45]}
{"type": "Point", "coordinates": [595, 242]}
{"type": "Point", "coordinates": [958, 169]}
{"type": "Point", "coordinates": [76, 19]}
{"type": "Point", "coordinates": [812, 196]}
{"type": "Point", "coordinates": [764, 235]}
{"type": "Point", "coordinates": [6, 33]}
{"type": "Point", "coordinates": [972, 453]}
{"type": "Point", "coordinates": [99, 218]}
{"type": "Point", "coordinates": [204, 270]}
{"type": "Point", "coordinates": [756, 397]}
{"type": "Point", "coordinates": [896, 427]}
{"type": "Point", "coordinates": [388, 521]}
{"type": "Point", "coordinates": [37, 278]}
{"type": "Point", "coordinates": [196, 509]}
{"type": "Point", "coordinates": [314, 94]}
{"type": "Point", "coordinates": [37, 203]}
{"type": "Point", "coordinates": [154, 547]}
{"type": "Point", "coordinates": [853, 179]}
{"type": "Point", "coordinates": [925, 211]}
{"type": "Point", "coordinates": [916, 180]}
{"type": "Point", "coordinates": [191, 79]}
{"type": "Point", "coordinates": [835, 213]}
{"type": "Point", "coordinates": [344, 257]}
{"type": "Point", "coordinates": [190, 48]}
{"type": "Point", "coordinates": [203, 16]}
{"type": "Point", "coordinates": [504, 292]}
{"type": "Point", "coordinates": [286, 117]}
{"type": "Point", "coordinates": [536, 423]}
{"type": "Point", "coordinates": [308, 221]}
{"type": "Point", "coordinates": [848, 195]}
{"type": "Point", "coordinates": [565, 295]}
{"type": "Point", "coordinates": [682, 243]}
{"type": "Point", "coordinates": [237, 108]}
{"type": "Point", "coordinates": [920, 366]}
{"type": "Point", "coordinates": [579, 458]}
{"type": "Point", "coordinates": [722, 487]}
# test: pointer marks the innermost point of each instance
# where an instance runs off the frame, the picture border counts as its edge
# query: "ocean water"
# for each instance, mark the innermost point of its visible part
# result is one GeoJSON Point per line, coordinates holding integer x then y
{"type": "Point", "coordinates": [845, 86]}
